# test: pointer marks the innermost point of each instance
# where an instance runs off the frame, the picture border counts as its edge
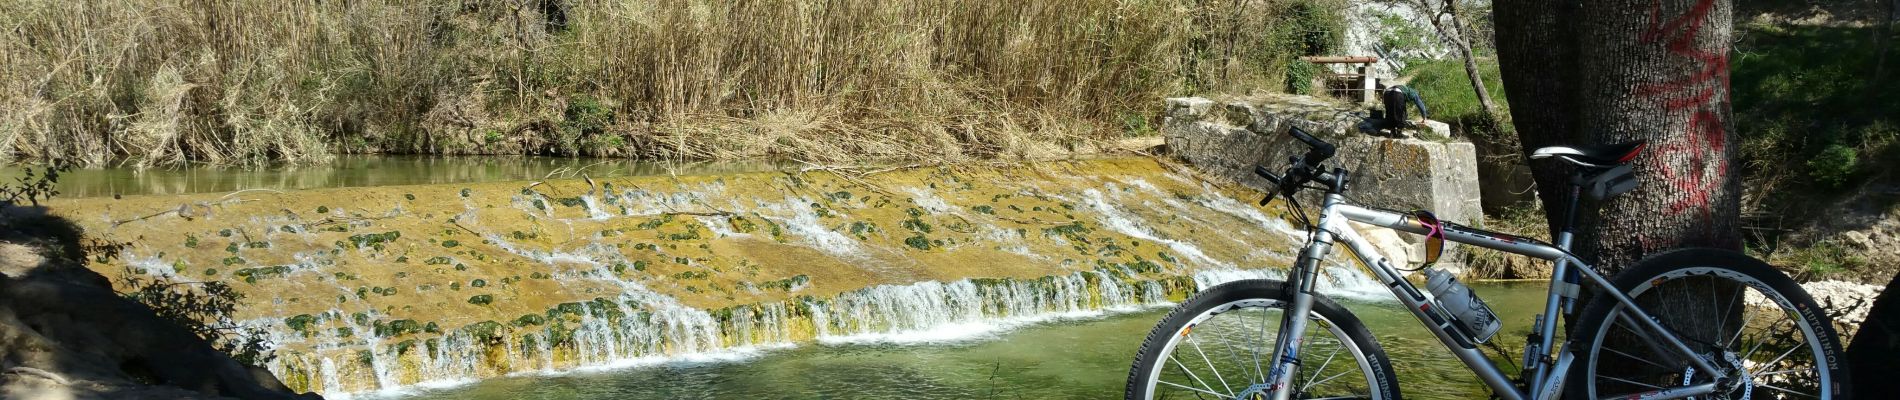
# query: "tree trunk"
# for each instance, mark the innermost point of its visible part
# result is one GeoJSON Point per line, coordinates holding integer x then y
{"type": "Point", "coordinates": [1880, 42]}
{"type": "Point", "coordinates": [1871, 356]}
{"type": "Point", "coordinates": [1597, 72]}
{"type": "Point", "coordinates": [1617, 71]}
{"type": "Point", "coordinates": [1458, 39]}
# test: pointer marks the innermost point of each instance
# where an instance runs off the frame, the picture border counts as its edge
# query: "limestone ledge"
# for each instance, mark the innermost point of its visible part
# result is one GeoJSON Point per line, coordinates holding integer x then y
{"type": "Point", "coordinates": [357, 285]}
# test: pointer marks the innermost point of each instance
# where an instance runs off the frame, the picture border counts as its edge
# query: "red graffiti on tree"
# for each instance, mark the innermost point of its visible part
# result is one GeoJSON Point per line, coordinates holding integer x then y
{"type": "Point", "coordinates": [1693, 99]}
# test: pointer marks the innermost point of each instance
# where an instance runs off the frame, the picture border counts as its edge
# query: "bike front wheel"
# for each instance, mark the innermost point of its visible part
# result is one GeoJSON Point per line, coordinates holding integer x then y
{"type": "Point", "coordinates": [1219, 344]}
{"type": "Point", "coordinates": [1762, 330]}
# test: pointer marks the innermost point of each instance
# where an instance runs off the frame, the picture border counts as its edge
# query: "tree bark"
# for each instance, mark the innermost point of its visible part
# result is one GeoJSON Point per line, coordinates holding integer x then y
{"type": "Point", "coordinates": [1880, 42]}
{"type": "Point", "coordinates": [1871, 356]}
{"type": "Point", "coordinates": [1582, 73]}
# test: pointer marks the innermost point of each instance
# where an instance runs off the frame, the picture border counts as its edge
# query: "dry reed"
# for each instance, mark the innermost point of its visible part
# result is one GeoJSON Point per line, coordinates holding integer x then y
{"type": "Point", "coordinates": [157, 82]}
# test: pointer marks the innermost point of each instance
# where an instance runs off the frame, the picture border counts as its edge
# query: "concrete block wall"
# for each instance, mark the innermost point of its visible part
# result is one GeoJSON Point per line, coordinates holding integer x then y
{"type": "Point", "coordinates": [1399, 174]}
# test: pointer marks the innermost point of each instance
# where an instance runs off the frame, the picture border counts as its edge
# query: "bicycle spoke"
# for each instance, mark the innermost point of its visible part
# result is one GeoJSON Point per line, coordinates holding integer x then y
{"type": "Point", "coordinates": [1773, 373]}
{"type": "Point", "coordinates": [1190, 374]}
{"type": "Point", "coordinates": [1630, 382]}
{"type": "Point", "coordinates": [1321, 369]}
{"type": "Point", "coordinates": [1751, 350]}
{"type": "Point", "coordinates": [1731, 307]}
{"type": "Point", "coordinates": [1210, 364]}
{"type": "Point", "coordinates": [1330, 378]}
{"type": "Point", "coordinates": [1229, 344]}
{"type": "Point", "coordinates": [1645, 361]}
{"type": "Point", "coordinates": [1256, 350]}
{"type": "Point", "coordinates": [1189, 388]}
{"type": "Point", "coordinates": [1763, 385]}
{"type": "Point", "coordinates": [1783, 355]}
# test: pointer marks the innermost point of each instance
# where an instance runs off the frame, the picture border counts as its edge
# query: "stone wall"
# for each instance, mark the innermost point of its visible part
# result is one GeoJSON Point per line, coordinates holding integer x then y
{"type": "Point", "coordinates": [1400, 174]}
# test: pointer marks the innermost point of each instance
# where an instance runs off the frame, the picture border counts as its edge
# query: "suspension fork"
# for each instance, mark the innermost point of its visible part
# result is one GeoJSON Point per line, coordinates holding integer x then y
{"type": "Point", "coordinates": [1293, 323]}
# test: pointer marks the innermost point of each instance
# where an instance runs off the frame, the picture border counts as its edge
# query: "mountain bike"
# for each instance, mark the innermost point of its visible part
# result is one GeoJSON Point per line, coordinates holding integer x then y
{"type": "Point", "coordinates": [1703, 323]}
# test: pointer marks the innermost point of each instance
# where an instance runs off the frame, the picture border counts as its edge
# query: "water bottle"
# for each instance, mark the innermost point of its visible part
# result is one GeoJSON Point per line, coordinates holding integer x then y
{"type": "Point", "coordinates": [1470, 312]}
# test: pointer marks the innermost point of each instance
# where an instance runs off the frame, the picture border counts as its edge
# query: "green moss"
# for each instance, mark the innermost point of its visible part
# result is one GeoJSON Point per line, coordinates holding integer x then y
{"type": "Point", "coordinates": [918, 242]}
{"type": "Point", "coordinates": [527, 320]}
{"type": "Point", "coordinates": [305, 324]}
{"type": "Point", "coordinates": [374, 240]}
{"type": "Point", "coordinates": [250, 275]}
{"type": "Point", "coordinates": [397, 328]}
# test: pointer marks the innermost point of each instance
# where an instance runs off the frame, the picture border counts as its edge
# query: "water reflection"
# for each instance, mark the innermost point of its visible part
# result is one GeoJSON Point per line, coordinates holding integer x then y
{"type": "Point", "coordinates": [369, 170]}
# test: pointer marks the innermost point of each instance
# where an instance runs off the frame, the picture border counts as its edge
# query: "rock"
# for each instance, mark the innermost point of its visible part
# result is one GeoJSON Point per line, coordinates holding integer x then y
{"type": "Point", "coordinates": [1440, 129]}
{"type": "Point", "coordinates": [64, 334]}
{"type": "Point", "coordinates": [1192, 108]}
{"type": "Point", "coordinates": [1398, 174]}
{"type": "Point", "coordinates": [1397, 251]}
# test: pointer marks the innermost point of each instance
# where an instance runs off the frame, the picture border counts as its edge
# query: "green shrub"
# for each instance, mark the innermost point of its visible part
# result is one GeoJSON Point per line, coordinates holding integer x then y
{"type": "Point", "coordinates": [1834, 166]}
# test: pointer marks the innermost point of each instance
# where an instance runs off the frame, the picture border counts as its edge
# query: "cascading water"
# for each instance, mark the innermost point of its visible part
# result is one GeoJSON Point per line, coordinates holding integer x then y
{"type": "Point", "coordinates": [454, 284]}
{"type": "Point", "coordinates": [964, 309]}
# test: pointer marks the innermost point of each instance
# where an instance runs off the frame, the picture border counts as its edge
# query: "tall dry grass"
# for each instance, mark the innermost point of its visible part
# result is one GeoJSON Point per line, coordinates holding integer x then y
{"type": "Point", "coordinates": [154, 82]}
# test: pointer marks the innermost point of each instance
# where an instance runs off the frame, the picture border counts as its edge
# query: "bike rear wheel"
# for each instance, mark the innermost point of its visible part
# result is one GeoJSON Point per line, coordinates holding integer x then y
{"type": "Point", "coordinates": [1219, 344]}
{"type": "Point", "coordinates": [1759, 327]}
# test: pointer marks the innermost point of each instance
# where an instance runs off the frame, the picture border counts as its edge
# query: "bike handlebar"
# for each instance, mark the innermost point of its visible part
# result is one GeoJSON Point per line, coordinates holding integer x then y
{"type": "Point", "coordinates": [1319, 150]}
{"type": "Point", "coordinates": [1301, 171]}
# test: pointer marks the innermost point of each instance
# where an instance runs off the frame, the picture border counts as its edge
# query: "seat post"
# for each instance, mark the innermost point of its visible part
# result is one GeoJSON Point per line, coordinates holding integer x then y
{"type": "Point", "coordinates": [1569, 221]}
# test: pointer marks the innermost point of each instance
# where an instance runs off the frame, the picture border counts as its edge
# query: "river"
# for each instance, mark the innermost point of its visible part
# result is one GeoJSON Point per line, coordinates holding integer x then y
{"type": "Point", "coordinates": [357, 170]}
{"type": "Point", "coordinates": [1085, 358]}
{"type": "Point", "coordinates": [486, 277]}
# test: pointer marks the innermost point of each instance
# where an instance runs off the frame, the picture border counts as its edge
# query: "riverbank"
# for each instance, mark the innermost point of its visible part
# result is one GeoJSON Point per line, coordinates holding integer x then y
{"type": "Point", "coordinates": [167, 82]}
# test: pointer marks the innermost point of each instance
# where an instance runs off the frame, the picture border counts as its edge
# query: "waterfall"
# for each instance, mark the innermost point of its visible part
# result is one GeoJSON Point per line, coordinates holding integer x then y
{"type": "Point", "coordinates": [1337, 281]}
{"type": "Point", "coordinates": [440, 285]}
{"type": "Point", "coordinates": [967, 309]}
{"type": "Point", "coordinates": [607, 334]}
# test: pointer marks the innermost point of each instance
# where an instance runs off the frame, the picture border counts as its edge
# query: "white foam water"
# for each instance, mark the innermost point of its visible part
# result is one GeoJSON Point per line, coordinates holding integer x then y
{"type": "Point", "coordinates": [798, 218]}
{"type": "Point", "coordinates": [1131, 225]}
{"type": "Point", "coordinates": [1335, 281]}
{"type": "Point", "coordinates": [930, 312]}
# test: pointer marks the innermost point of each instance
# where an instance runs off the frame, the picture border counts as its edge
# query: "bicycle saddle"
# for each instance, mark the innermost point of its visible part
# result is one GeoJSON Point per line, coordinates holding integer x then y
{"type": "Point", "coordinates": [1600, 156]}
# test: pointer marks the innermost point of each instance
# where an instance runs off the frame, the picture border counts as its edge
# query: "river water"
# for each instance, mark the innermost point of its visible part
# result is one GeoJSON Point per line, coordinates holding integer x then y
{"type": "Point", "coordinates": [352, 170]}
{"type": "Point", "coordinates": [1077, 359]}
{"type": "Point", "coordinates": [1068, 357]}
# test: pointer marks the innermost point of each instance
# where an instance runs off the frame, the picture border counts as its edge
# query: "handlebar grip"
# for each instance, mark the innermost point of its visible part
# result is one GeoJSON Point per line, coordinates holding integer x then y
{"type": "Point", "coordinates": [1263, 172]}
{"type": "Point", "coordinates": [1320, 149]}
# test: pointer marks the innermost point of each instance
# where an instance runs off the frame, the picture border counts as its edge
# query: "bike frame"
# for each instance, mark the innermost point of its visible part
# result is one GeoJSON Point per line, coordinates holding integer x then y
{"type": "Point", "coordinates": [1545, 377]}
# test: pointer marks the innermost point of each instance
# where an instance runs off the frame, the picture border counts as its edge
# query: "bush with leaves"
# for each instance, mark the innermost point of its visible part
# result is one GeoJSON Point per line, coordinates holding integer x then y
{"type": "Point", "coordinates": [38, 183]}
{"type": "Point", "coordinates": [205, 309]}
